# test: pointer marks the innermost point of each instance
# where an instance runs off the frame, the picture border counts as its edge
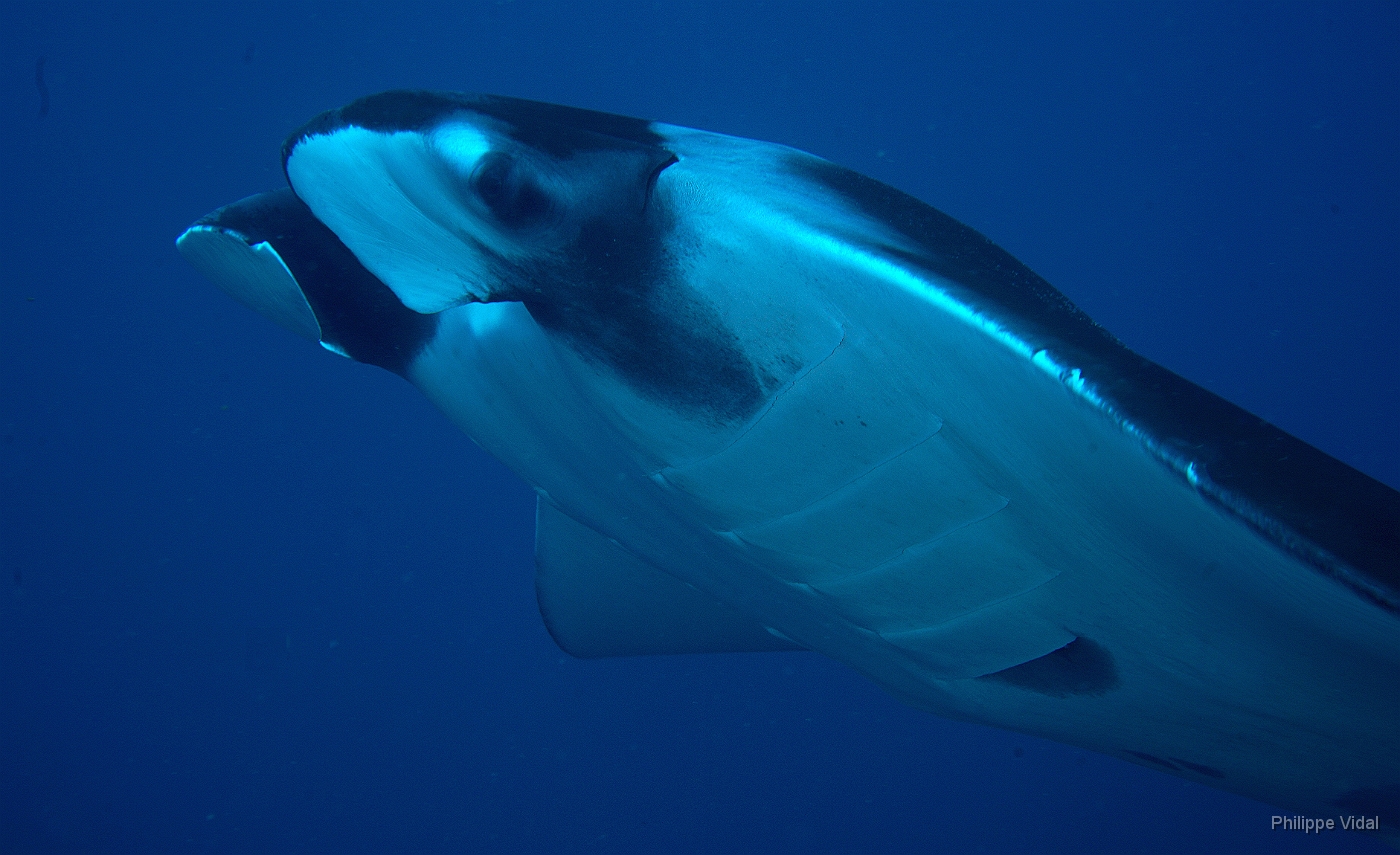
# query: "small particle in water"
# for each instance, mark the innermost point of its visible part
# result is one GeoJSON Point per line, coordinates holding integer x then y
{"type": "Point", "coordinates": [249, 53]}
{"type": "Point", "coordinates": [1336, 209]}
{"type": "Point", "coordinates": [1019, 751]}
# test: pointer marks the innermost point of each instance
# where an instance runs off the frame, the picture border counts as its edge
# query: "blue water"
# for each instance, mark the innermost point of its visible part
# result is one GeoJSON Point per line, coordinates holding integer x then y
{"type": "Point", "coordinates": [256, 598]}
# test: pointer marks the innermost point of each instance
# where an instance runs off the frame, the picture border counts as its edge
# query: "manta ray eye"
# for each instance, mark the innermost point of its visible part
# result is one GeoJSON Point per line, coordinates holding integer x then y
{"type": "Point", "coordinates": [504, 187]}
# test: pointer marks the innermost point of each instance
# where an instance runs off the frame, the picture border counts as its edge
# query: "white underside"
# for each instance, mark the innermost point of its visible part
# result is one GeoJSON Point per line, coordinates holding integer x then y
{"type": "Point", "coordinates": [928, 504]}
{"type": "Point", "coordinates": [924, 496]}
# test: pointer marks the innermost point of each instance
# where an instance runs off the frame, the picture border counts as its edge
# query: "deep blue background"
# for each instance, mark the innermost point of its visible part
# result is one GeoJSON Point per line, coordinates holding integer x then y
{"type": "Point", "coordinates": [258, 598]}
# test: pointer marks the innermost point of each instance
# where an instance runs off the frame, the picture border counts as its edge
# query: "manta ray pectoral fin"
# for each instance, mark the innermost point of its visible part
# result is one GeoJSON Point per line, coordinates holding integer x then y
{"type": "Point", "coordinates": [598, 599]}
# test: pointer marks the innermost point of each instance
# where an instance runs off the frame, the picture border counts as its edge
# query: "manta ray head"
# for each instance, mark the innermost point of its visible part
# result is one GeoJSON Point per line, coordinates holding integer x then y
{"type": "Point", "coordinates": [451, 199]}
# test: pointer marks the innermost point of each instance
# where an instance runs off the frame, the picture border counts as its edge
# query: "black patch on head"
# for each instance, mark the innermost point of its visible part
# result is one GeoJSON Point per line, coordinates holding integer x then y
{"type": "Point", "coordinates": [560, 131]}
{"type": "Point", "coordinates": [1373, 801]}
{"type": "Point", "coordinates": [1333, 518]}
{"type": "Point", "coordinates": [613, 300]}
{"type": "Point", "coordinates": [515, 200]}
{"type": "Point", "coordinates": [1079, 668]}
{"type": "Point", "coordinates": [357, 312]}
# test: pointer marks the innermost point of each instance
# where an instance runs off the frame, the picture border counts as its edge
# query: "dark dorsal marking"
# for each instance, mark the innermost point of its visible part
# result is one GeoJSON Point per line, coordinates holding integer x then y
{"type": "Point", "coordinates": [357, 312]}
{"type": "Point", "coordinates": [1081, 667]}
{"type": "Point", "coordinates": [614, 301]}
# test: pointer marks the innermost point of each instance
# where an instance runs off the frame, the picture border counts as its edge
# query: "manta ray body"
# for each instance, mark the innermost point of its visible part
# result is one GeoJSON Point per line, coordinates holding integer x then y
{"type": "Point", "coordinates": [768, 403]}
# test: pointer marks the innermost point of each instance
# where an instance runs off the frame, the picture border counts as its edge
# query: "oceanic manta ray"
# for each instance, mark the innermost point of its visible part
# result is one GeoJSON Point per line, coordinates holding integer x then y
{"type": "Point", "coordinates": [768, 403]}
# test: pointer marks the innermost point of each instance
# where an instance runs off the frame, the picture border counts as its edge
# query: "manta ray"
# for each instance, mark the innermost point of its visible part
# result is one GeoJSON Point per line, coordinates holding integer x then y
{"type": "Point", "coordinates": [768, 403]}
